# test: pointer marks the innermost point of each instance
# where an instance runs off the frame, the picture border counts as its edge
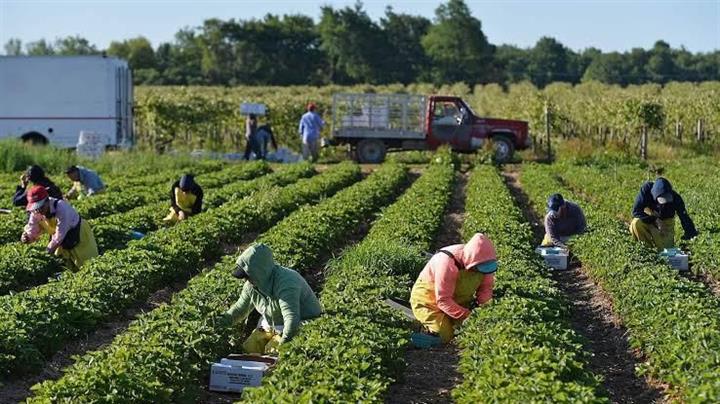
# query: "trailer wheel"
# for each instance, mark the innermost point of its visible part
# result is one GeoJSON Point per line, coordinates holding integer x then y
{"type": "Point", "coordinates": [34, 138]}
{"type": "Point", "coordinates": [371, 151]}
{"type": "Point", "coordinates": [504, 149]}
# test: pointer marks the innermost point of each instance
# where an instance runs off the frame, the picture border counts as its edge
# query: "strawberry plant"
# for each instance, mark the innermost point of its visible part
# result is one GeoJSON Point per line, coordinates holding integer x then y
{"type": "Point", "coordinates": [181, 339]}
{"type": "Point", "coordinates": [520, 347]}
{"type": "Point", "coordinates": [672, 320]}
{"type": "Point", "coordinates": [37, 322]}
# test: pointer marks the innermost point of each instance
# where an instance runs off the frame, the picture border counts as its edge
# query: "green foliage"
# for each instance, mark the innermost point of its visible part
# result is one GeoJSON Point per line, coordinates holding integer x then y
{"type": "Point", "coordinates": [37, 322]}
{"type": "Point", "coordinates": [520, 347]}
{"type": "Point", "coordinates": [180, 340]}
{"type": "Point", "coordinates": [16, 156]}
{"type": "Point", "coordinates": [672, 320]}
{"type": "Point", "coordinates": [356, 348]}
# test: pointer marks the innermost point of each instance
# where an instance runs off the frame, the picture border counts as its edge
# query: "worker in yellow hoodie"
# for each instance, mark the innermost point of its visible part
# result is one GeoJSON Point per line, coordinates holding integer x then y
{"type": "Point", "coordinates": [186, 199]}
{"type": "Point", "coordinates": [455, 280]}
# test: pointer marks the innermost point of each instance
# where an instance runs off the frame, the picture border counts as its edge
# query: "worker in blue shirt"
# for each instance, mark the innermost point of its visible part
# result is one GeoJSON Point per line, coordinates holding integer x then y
{"type": "Point", "coordinates": [310, 126]}
{"type": "Point", "coordinates": [86, 182]}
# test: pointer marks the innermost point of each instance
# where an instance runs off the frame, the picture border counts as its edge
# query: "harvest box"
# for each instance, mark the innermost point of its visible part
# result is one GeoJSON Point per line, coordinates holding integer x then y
{"type": "Point", "coordinates": [556, 258]}
{"type": "Point", "coordinates": [676, 258]}
{"type": "Point", "coordinates": [239, 371]}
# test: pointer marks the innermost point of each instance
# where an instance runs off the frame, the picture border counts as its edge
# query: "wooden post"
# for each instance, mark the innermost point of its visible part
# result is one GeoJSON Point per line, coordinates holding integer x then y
{"type": "Point", "coordinates": [547, 130]}
{"type": "Point", "coordinates": [644, 143]}
{"type": "Point", "coordinates": [699, 131]}
{"type": "Point", "coordinates": [678, 130]}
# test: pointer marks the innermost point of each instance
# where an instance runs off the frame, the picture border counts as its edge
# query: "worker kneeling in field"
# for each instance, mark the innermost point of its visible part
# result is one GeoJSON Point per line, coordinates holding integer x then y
{"type": "Point", "coordinates": [35, 175]}
{"type": "Point", "coordinates": [281, 296]}
{"type": "Point", "coordinates": [86, 182]}
{"type": "Point", "coordinates": [186, 198]}
{"type": "Point", "coordinates": [563, 220]}
{"type": "Point", "coordinates": [70, 236]}
{"type": "Point", "coordinates": [654, 215]}
{"type": "Point", "coordinates": [455, 280]}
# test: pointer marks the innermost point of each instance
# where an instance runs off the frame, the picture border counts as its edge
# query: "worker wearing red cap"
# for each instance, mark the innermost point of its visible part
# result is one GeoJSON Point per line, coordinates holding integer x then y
{"type": "Point", "coordinates": [456, 279]}
{"type": "Point", "coordinates": [70, 236]}
{"type": "Point", "coordinates": [310, 126]}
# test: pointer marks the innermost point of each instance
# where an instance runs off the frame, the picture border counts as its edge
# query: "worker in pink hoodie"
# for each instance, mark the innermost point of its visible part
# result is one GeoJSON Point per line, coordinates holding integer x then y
{"type": "Point", "coordinates": [455, 280]}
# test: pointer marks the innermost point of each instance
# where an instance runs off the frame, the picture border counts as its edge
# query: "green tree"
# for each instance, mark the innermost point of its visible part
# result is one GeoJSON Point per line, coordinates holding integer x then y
{"type": "Point", "coordinates": [137, 51]}
{"type": "Point", "coordinates": [13, 47]}
{"type": "Point", "coordinates": [39, 48]}
{"type": "Point", "coordinates": [356, 47]}
{"type": "Point", "coordinates": [74, 45]}
{"type": "Point", "coordinates": [457, 46]}
{"type": "Point", "coordinates": [549, 62]}
{"type": "Point", "coordinates": [607, 68]}
{"type": "Point", "coordinates": [661, 66]}
{"type": "Point", "coordinates": [512, 63]}
{"type": "Point", "coordinates": [404, 33]}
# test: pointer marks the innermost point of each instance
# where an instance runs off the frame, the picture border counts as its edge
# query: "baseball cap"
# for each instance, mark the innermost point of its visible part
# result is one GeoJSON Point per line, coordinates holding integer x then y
{"type": "Point", "coordinates": [36, 197]}
{"type": "Point", "coordinates": [555, 201]}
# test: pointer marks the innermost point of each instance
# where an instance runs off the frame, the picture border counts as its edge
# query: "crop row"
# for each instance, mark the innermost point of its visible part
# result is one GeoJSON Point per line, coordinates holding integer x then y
{"type": "Point", "coordinates": [356, 349]}
{"type": "Point", "coordinates": [35, 323]}
{"type": "Point", "coordinates": [520, 347]}
{"type": "Point", "coordinates": [165, 353]}
{"type": "Point", "coordinates": [614, 191]}
{"type": "Point", "coordinates": [673, 321]}
{"type": "Point", "coordinates": [113, 202]}
{"type": "Point", "coordinates": [23, 266]}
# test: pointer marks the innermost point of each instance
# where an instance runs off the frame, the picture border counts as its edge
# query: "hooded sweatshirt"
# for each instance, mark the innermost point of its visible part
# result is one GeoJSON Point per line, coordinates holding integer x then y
{"type": "Point", "coordinates": [279, 294]}
{"type": "Point", "coordinates": [647, 198]}
{"type": "Point", "coordinates": [443, 273]}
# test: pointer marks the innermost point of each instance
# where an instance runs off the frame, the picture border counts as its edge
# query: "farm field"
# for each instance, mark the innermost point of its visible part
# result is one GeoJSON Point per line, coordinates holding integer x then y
{"type": "Point", "coordinates": [141, 322]}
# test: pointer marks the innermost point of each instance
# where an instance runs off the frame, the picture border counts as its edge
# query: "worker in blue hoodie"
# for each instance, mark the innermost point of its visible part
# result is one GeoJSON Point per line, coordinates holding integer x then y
{"type": "Point", "coordinates": [654, 213]}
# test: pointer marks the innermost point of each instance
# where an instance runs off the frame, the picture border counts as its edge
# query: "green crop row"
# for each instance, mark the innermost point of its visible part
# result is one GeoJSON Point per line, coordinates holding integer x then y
{"type": "Point", "coordinates": [672, 320]}
{"type": "Point", "coordinates": [113, 202]}
{"type": "Point", "coordinates": [520, 347]}
{"type": "Point", "coordinates": [23, 266]}
{"type": "Point", "coordinates": [352, 353]}
{"type": "Point", "coordinates": [37, 322]}
{"type": "Point", "coordinates": [163, 354]}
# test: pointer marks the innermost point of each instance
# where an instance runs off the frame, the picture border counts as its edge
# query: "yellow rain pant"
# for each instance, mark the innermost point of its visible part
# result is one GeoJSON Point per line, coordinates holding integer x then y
{"type": "Point", "coordinates": [547, 242]}
{"type": "Point", "coordinates": [185, 201]}
{"type": "Point", "coordinates": [86, 248]}
{"type": "Point", "coordinates": [652, 236]}
{"type": "Point", "coordinates": [262, 342]}
{"type": "Point", "coordinates": [426, 311]}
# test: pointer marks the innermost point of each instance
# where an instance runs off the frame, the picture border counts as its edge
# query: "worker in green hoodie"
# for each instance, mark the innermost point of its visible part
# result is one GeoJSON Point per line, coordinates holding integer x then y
{"type": "Point", "coordinates": [281, 296]}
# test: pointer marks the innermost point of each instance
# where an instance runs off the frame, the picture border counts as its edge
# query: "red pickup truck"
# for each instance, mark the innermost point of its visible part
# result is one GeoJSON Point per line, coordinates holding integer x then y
{"type": "Point", "coordinates": [373, 124]}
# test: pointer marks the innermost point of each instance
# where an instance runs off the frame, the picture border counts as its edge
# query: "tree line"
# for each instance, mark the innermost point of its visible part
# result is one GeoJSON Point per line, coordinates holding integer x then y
{"type": "Point", "coordinates": [347, 47]}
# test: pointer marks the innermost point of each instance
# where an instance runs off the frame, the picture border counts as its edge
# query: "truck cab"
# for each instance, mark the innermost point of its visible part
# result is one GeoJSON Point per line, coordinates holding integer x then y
{"type": "Point", "coordinates": [373, 124]}
{"type": "Point", "coordinates": [451, 121]}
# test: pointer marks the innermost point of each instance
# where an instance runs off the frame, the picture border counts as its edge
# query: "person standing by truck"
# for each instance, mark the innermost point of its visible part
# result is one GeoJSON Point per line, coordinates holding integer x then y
{"type": "Point", "coordinates": [70, 236]}
{"type": "Point", "coordinates": [250, 136]}
{"type": "Point", "coordinates": [35, 175]}
{"type": "Point", "coordinates": [310, 126]}
{"type": "Point", "coordinates": [86, 182]}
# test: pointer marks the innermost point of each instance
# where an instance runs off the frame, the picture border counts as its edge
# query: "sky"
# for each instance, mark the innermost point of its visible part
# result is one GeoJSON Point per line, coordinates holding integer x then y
{"type": "Point", "coordinates": [611, 25]}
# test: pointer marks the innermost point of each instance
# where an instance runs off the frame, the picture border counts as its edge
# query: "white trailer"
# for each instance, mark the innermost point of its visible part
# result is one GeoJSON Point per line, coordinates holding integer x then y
{"type": "Point", "coordinates": [51, 99]}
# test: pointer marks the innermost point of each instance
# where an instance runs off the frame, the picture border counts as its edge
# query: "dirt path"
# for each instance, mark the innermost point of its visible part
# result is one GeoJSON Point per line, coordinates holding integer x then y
{"type": "Point", "coordinates": [592, 316]}
{"type": "Point", "coordinates": [431, 374]}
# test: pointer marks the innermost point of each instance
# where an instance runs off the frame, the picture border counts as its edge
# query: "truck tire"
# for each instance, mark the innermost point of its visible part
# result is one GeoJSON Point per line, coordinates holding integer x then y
{"type": "Point", "coordinates": [504, 149]}
{"type": "Point", "coordinates": [34, 138]}
{"type": "Point", "coordinates": [371, 151]}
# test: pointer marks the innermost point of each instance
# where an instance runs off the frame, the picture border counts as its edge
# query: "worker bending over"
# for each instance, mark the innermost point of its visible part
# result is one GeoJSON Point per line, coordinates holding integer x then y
{"type": "Point", "coordinates": [455, 280]}
{"type": "Point", "coordinates": [86, 182]}
{"type": "Point", "coordinates": [186, 198]}
{"type": "Point", "coordinates": [35, 175]}
{"type": "Point", "coordinates": [654, 215]}
{"type": "Point", "coordinates": [70, 236]}
{"type": "Point", "coordinates": [281, 296]}
{"type": "Point", "coordinates": [563, 220]}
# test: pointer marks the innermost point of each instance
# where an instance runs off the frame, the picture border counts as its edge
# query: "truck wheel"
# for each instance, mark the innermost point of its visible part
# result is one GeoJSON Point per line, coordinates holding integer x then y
{"type": "Point", "coordinates": [34, 138]}
{"type": "Point", "coordinates": [504, 149]}
{"type": "Point", "coordinates": [371, 151]}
